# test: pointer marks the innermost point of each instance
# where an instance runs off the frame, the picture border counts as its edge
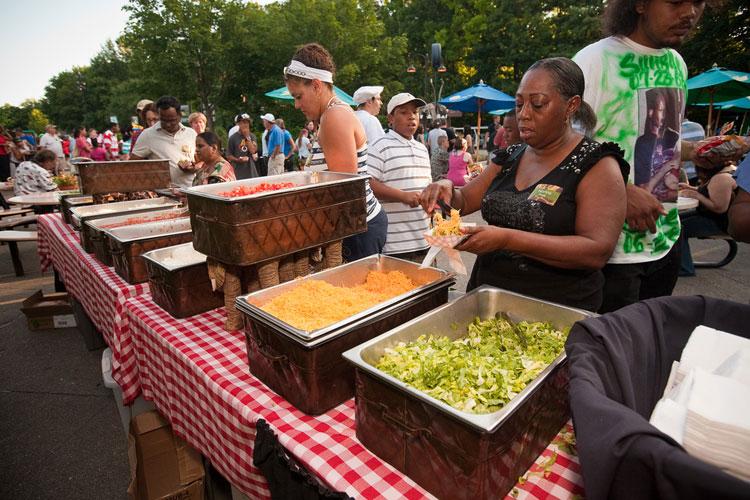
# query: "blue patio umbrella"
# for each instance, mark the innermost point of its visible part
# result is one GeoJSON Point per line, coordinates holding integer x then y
{"type": "Point", "coordinates": [743, 103]}
{"type": "Point", "coordinates": [283, 93]}
{"type": "Point", "coordinates": [481, 97]}
{"type": "Point", "coordinates": [717, 85]}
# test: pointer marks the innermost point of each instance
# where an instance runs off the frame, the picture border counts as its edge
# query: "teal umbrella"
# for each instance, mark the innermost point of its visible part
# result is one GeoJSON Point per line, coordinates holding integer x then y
{"type": "Point", "coordinates": [742, 103]}
{"type": "Point", "coordinates": [283, 93]}
{"type": "Point", "coordinates": [717, 85]}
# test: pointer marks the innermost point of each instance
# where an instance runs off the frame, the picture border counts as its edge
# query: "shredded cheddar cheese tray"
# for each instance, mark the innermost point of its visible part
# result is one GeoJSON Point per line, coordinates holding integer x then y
{"type": "Point", "coordinates": [318, 304]}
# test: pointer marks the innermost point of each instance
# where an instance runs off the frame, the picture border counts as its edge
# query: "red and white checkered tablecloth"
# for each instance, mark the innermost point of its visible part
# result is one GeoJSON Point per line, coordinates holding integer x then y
{"type": "Point", "coordinates": [98, 288]}
{"type": "Point", "coordinates": [197, 375]}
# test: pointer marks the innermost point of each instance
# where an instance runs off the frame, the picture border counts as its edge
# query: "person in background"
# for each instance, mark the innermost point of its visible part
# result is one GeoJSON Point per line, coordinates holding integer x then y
{"type": "Point", "coordinates": [440, 160]}
{"type": "Point", "coordinates": [341, 142]}
{"type": "Point", "coordinates": [492, 131]}
{"type": "Point", "coordinates": [93, 137]}
{"type": "Point", "coordinates": [197, 121]}
{"type": "Point", "coordinates": [450, 133]}
{"type": "Point", "coordinates": [263, 171]}
{"type": "Point", "coordinates": [242, 147]}
{"type": "Point", "coordinates": [289, 146]}
{"type": "Point", "coordinates": [510, 128]}
{"type": "Point", "coordinates": [144, 119]}
{"type": "Point", "coordinates": [5, 141]}
{"type": "Point", "coordinates": [400, 170]}
{"type": "Point", "coordinates": [432, 137]}
{"type": "Point", "coordinates": [236, 127]}
{"type": "Point", "coordinates": [125, 145]}
{"type": "Point", "coordinates": [554, 204]}
{"type": "Point", "coordinates": [310, 126]}
{"type": "Point", "coordinates": [646, 261]}
{"type": "Point", "coordinates": [303, 147]}
{"type": "Point", "coordinates": [98, 153]}
{"type": "Point", "coordinates": [368, 106]}
{"type": "Point", "coordinates": [714, 194]}
{"type": "Point", "coordinates": [419, 135]}
{"type": "Point", "coordinates": [35, 176]}
{"type": "Point", "coordinates": [739, 211]}
{"type": "Point", "coordinates": [26, 137]}
{"type": "Point", "coordinates": [83, 146]}
{"type": "Point", "coordinates": [110, 142]}
{"type": "Point", "coordinates": [171, 140]}
{"type": "Point", "coordinates": [51, 141]}
{"type": "Point", "coordinates": [275, 143]}
{"type": "Point", "coordinates": [17, 154]}
{"type": "Point", "coordinates": [469, 138]}
{"type": "Point", "coordinates": [214, 167]}
{"type": "Point", "coordinates": [66, 146]}
{"type": "Point", "coordinates": [458, 160]}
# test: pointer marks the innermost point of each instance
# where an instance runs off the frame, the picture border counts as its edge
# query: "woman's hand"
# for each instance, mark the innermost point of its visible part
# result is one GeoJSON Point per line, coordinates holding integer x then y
{"type": "Point", "coordinates": [442, 189]}
{"type": "Point", "coordinates": [688, 191]}
{"type": "Point", "coordinates": [483, 239]}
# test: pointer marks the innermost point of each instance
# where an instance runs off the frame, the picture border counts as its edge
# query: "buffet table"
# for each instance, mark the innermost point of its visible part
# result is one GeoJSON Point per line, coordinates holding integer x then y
{"type": "Point", "coordinates": [197, 376]}
{"type": "Point", "coordinates": [101, 292]}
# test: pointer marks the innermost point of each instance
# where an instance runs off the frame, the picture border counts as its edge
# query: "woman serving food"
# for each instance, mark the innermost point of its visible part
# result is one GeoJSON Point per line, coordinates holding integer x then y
{"type": "Point", "coordinates": [554, 204]}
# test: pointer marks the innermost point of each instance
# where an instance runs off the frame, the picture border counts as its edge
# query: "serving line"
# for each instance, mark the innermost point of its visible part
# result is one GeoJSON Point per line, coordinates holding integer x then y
{"type": "Point", "coordinates": [101, 292]}
{"type": "Point", "coordinates": [197, 376]}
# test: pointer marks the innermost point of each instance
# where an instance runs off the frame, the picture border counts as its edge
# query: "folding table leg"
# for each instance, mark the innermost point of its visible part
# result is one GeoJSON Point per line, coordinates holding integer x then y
{"type": "Point", "coordinates": [17, 265]}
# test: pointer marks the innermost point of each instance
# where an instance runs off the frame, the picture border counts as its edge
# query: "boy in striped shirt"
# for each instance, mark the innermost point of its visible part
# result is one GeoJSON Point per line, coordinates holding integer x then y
{"type": "Point", "coordinates": [400, 170]}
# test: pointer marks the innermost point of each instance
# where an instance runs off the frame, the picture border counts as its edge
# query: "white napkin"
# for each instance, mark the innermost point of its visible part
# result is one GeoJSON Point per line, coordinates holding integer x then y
{"type": "Point", "coordinates": [446, 243]}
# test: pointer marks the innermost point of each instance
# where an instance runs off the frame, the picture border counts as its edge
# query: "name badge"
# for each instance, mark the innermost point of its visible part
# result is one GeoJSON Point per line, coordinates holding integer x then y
{"type": "Point", "coordinates": [546, 193]}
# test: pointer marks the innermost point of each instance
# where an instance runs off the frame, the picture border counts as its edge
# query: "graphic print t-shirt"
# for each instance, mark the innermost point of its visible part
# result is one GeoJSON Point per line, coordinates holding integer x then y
{"type": "Point", "coordinates": [638, 94]}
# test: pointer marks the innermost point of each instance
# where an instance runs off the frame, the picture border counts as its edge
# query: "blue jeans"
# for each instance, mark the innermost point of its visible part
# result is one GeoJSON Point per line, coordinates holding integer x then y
{"type": "Point", "coordinates": [695, 225]}
{"type": "Point", "coordinates": [370, 242]}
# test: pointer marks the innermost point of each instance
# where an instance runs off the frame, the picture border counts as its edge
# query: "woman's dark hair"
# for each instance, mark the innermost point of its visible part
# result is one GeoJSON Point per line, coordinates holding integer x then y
{"type": "Point", "coordinates": [45, 155]}
{"type": "Point", "coordinates": [467, 130]}
{"type": "Point", "coordinates": [77, 132]}
{"type": "Point", "coordinates": [316, 56]}
{"type": "Point", "coordinates": [620, 17]}
{"type": "Point", "coordinates": [211, 138]}
{"type": "Point", "coordinates": [166, 102]}
{"type": "Point", "coordinates": [149, 107]}
{"type": "Point", "coordinates": [569, 82]}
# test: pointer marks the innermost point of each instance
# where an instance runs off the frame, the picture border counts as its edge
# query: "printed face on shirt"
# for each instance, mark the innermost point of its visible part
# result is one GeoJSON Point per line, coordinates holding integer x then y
{"type": "Point", "coordinates": [656, 115]}
{"type": "Point", "coordinates": [666, 23]}
{"type": "Point", "coordinates": [540, 109]}
{"type": "Point", "coordinates": [405, 119]}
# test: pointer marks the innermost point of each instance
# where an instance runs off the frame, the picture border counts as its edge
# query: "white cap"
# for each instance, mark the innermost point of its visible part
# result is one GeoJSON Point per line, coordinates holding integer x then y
{"type": "Point", "coordinates": [143, 103]}
{"type": "Point", "coordinates": [268, 117]}
{"type": "Point", "coordinates": [364, 94]}
{"type": "Point", "coordinates": [403, 98]}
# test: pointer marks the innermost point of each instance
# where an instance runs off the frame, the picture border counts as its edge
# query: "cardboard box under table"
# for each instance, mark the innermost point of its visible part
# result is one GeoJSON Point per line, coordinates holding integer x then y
{"type": "Point", "coordinates": [323, 207]}
{"type": "Point", "coordinates": [306, 368]}
{"type": "Point", "coordinates": [164, 467]}
{"type": "Point", "coordinates": [94, 230]}
{"type": "Point", "coordinates": [450, 453]}
{"type": "Point", "coordinates": [48, 311]}
{"type": "Point", "coordinates": [128, 243]}
{"type": "Point", "coordinates": [122, 176]}
{"type": "Point", "coordinates": [182, 289]}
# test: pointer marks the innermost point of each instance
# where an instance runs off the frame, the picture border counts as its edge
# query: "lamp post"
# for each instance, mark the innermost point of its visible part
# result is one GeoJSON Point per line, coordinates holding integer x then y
{"type": "Point", "coordinates": [434, 60]}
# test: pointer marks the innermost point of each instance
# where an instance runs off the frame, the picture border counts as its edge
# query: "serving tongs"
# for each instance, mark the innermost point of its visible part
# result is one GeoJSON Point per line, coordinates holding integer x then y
{"type": "Point", "coordinates": [513, 326]}
{"type": "Point", "coordinates": [444, 207]}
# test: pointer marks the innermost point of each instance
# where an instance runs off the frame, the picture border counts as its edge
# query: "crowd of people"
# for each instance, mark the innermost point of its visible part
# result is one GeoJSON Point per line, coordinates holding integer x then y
{"type": "Point", "coordinates": [578, 194]}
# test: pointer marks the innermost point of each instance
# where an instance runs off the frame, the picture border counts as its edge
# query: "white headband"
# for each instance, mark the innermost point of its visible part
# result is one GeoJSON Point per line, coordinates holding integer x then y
{"type": "Point", "coordinates": [301, 70]}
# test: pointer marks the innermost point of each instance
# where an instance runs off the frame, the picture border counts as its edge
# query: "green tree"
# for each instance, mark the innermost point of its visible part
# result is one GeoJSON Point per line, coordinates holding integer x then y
{"type": "Point", "coordinates": [17, 116]}
{"type": "Point", "coordinates": [38, 121]}
{"type": "Point", "coordinates": [188, 48]}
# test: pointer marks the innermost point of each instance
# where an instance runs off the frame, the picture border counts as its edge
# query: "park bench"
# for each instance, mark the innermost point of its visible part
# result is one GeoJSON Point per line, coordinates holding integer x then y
{"type": "Point", "coordinates": [12, 237]}
{"type": "Point", "coordinates": [732, 252]}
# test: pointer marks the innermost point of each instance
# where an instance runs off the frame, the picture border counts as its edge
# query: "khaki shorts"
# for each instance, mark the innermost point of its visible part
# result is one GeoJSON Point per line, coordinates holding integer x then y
{"type": "Point", "coordinates": [276, 165]}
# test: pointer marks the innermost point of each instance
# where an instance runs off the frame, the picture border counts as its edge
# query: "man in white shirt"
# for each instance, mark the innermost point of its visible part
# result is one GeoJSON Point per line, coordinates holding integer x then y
{"type": "Point", "coordinates": [169, 139]}
{"type": "Point", "coordinates": [368, 106]}
{"type": "Point", "coordinates": [622, 72]}
{"type": "Point", "coordinates": [50, 141]}
{"type": "Point", "coordinates": [436, 131]}
{"type": "Point", "coordinates": [400, 170]}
